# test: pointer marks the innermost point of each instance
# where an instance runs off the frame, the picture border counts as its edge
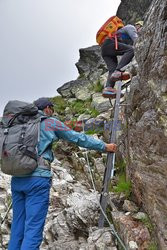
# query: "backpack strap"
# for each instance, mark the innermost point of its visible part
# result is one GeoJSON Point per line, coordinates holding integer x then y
{"type": "Point", "coordinates": [22, 147]}
{"type": "Point", "coordinates": [4, 135]}
{"type": "Point", "coordinates": [115, 36]}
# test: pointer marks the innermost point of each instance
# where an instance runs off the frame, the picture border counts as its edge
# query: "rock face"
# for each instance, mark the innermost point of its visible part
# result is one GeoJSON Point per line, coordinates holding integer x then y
{"type": "Point", "coordinates": [91, 63]}
{"type": "Point", "coordinates": [148, 120]}
{"type": "Point", "coordinates": [135, 236]}
{"type": "Point", "coordinates": [132, 11]}
{"type": "Point", "coordinates": [73, 214]}
{"type": "Point", "coordinates": [90, 67]}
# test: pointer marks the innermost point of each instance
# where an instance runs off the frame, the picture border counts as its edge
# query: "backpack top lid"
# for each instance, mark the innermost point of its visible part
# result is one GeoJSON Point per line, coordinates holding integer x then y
{"type": "Point", "coordinates": [108, 28]}
{"type": "Point", "coordinates": [16, 108]}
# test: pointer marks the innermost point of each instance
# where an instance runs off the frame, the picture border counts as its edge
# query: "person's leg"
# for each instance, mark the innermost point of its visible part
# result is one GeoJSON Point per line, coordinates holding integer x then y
{"type": "Point", "coordinates": [110, 57]}
{"type": "Point", "coordinates": [18, 206]}
{"type": "Point", "coordinates": [37, 202]}
{"type": "Point", "coordinates": [111, 62]}
{"type": "Point", "coordinates": [127, 53]}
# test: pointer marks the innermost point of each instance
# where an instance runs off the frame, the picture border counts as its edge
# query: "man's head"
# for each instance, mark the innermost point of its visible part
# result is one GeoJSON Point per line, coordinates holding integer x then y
{"type": "Point", "coordinates": [139, 25]}
{"type": "Point", "coordinates": [45, 105]}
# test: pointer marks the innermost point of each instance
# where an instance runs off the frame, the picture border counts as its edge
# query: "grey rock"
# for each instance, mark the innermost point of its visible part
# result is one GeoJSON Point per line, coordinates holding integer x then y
{"type": "Point", "coordinates": [90, 62]}
{"type": "Point", "coordinates": [69, 89]}
{"type": "Point", "coordinates": [100, 103]}
{"type": "Point", "coordinates": [83, 94]}
{"type": "Point", "coordinates": [90, 67]}
{"type": "Point", "coordinates": [140, 216]}
{"type": "Point", "coordinates": [99, 165]}
{"type": "Point", "coordinates": [71, 100]}
{"type": "Point", "coordinates": [147, 121]}
{"type": "Point", "coordinates": [131, 230]}
{"type": "Point", "coordinates": [130, 206]}
{"type": "Point", "coordinates": [67, 109]}
{"type": "Point", "coordinates": [101, 239]}
{"type": "Point", "coordinates": [133, 245]}
{"type": "Point", "coordinates": [83, 117]}
{"type": "Point", "coordinates": [135, 10]}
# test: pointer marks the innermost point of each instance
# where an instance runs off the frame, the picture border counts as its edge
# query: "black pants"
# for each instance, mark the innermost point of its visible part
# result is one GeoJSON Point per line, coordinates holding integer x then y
{"type": "Point", "coordinates": [109, 54]}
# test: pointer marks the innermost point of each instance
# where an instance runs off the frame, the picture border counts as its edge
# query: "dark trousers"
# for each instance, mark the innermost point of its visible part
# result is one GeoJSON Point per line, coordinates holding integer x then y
{"type": "Point", "coordinates": [109, 54]}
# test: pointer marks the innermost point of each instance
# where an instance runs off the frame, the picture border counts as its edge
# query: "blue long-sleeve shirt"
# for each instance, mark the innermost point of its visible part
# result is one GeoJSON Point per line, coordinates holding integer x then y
{"type": "Point", "coordinates": [52, 130]}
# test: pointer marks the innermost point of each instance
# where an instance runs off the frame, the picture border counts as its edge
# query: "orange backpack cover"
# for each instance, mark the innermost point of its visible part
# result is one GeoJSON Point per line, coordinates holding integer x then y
{"type": "Point", "coordinates": [108, 29]}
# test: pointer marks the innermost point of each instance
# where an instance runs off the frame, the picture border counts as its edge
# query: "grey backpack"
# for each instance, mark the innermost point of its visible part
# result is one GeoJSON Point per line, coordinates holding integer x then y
{"type": "Point", "coordinates": [19, 133]}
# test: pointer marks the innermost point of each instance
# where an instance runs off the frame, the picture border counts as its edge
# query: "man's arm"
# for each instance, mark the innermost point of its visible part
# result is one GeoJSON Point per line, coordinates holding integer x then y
{"type": "Point", "coordinates": [63, 132]}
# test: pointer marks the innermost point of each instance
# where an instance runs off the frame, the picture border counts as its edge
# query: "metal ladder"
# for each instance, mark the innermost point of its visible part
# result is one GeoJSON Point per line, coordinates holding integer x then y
{"type": "Point", "coordinates": [109, 170]}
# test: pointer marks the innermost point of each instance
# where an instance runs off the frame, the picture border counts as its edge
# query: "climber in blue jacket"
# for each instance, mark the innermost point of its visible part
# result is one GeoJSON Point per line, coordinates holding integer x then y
{"type": "Point", "coordinates": [30, 193]}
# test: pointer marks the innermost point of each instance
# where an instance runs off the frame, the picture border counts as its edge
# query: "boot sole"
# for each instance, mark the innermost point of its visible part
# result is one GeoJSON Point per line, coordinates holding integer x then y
{"type": "Point", "coordinates": [112, 96]}
{"type": "Point", "coordinates": [123, 77]}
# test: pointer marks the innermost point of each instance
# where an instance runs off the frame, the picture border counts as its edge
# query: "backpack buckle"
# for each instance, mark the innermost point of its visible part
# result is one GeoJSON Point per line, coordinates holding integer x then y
{"type": "Point", "coordinates": [6, 130]}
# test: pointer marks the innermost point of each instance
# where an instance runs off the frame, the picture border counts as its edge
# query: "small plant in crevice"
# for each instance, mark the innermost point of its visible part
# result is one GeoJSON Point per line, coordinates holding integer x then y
{"type": "Point", "coordinates": [122, 185]}
{"type": "Point", "coordinates": [147, 222]}
{"type": "Point", "coordinates": [93, 112]}
{"type": "Point", "coordinates": [152, 246]}
{"type": "Point", "coordinates": [98, 87]}
{"type": "Point", "coordinates": [76, 108]}
{"type": "Point", "coordinates": [83, 107]}
{"type": "Point", "coordinates": [93, 131]}
{"type": "Point", "coordinates": [8, 200]}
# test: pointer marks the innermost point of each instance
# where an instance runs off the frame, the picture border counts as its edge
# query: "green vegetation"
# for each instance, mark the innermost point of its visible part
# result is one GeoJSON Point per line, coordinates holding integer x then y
{"type": "Point", "coordinates": [76, 107]}
{"type": "Point", "coordinates": [120, 166]}
{"type": "Point", "coordinates": [80, 107]}
{"type": "Point", "coordinates": [123, 186]}
{"type": "Point", "coordinates": [93, 112]}
{"type": "Point", "coordinates": [93, 131]}
{"type": "Point", "coordinates": [8, 200]}
{"type": "Point", "coordinates": [59, 104]}
{"type": "Point", "coordinates": [146, 221]}
{"type": "Point", "coordinates": [83, 107]}
{"type": "Point", "coordinates": [54, 146]}
{"type": "Point", "coordinates": [153, 246]}
{"type": "Point", "coordinates": [97, 87]}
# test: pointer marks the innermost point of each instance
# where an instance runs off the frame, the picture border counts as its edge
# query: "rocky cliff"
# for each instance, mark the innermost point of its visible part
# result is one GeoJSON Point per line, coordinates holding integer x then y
{"type": "Point", "coordinates": [147, 113]}
{"type": "Point", "coordinates": [137, 203]}
{"type": "Point", "coordinates": [132, 11]}
{"type": "Point", "coordinates": [148, 122]}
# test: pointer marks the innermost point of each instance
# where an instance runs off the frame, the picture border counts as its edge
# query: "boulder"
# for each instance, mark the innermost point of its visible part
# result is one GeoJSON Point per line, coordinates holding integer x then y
{"type": "Point", "coordinates": [100, 103]}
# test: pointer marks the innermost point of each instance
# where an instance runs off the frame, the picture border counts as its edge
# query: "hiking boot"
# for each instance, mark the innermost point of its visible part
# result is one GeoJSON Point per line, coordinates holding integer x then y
{"type": "Point", "coordinates": [109, 92]}
{"type": "Point", "coordinates": [118, 75]}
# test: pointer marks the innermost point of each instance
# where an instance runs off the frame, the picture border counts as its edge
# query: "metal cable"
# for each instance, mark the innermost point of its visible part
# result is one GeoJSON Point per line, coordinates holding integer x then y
{"type": "Point", "coordinates": [113, 231]}
{"type": "Point", "coordinates": [9, 207]}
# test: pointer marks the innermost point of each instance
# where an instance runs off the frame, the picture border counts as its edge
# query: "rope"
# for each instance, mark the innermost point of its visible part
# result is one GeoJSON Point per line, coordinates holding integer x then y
{"type": "Point", "coordinates": [113, 231]}
{"type": "Point", "coordinates": [9, 207]}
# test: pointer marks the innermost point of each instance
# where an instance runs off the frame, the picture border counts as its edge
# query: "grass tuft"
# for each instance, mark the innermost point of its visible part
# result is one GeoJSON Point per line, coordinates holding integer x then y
{"type": "Point", "coordinates": [123, 186]}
